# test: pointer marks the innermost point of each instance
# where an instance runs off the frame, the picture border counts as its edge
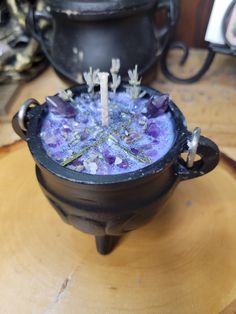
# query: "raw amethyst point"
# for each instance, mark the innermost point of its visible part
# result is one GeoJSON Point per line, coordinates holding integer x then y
{"type": "Point", "coordinates": [58, 106]}
{"type": "Point", "coordinates": [157, 105]}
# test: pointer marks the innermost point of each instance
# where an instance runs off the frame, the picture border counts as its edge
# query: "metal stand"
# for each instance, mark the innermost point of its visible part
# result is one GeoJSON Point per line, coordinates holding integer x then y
{"type": "Point", "coordinates": [179, 45]}
{"type": "Point", "coordinates": [228, 48]}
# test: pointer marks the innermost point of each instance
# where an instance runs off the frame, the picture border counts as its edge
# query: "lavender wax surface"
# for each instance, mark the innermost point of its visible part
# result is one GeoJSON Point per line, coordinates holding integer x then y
{"type": "Point", "coordinates": [140, 132]}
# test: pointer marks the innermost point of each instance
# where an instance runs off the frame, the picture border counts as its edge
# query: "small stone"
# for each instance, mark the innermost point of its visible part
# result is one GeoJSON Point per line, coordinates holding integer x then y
{"type": "Point", "coordinates": [146, 146]}
{"type": "Point", "coordinates": [108, 157]}
{"type": "Point", "coordinates": [84, 135]}
{"type": "Point", "coordinates": [66, 129]}
{"type": "Point", "coordinates": [132, 138]}
{"type": "Point", "coordinates": [50, 140]}
{"type": "Point", "coordinates": [52, 145]}
{"type": "Point", "coordinates": [80, 168]}
{"type": "Point", "coordinates": [93, 157]}
{"type": "Point", "coordinates": [153, 130]}
{"type": "Point", "coordinates": [124, 164]}
{"type": "Point", "coordinates": [91, 167]}
{"type": "Point", "coordinates": [142, 121]}
{"type": "Point", "coordinates": [85, 120]}
{"type": "Point", "coordinates": [152, 153]}
{"type": "Point", "coordinates": [134, 151]}
{"type": "Point", "coordinates": [77, 162]}
{"type": "Point", "coordinates": [109, 141]}
{"type": "Point", "coordinates": [118, 161]}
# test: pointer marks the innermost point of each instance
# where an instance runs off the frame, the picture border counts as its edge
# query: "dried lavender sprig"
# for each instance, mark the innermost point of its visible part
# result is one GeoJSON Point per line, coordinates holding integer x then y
{"type": "Point", "coordinates": [133, 77]}
{"type": "Point", "coordinates": [66, 95]}
{"type": "Point", "coordinates": [134, 90]}
{"type": "Point", "coordinates": [92, 79]}
{"type": "Point", "coordinates": [115, 66]}
{"type": "Point", "coordinates": [116, 79]}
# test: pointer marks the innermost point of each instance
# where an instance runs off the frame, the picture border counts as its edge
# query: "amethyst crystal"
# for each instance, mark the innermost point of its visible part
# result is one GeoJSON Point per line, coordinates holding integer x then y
{"type": "Point", "coordinates": [134, 151]}
{"type": "Point", "coordinates": [124, 164]}
{"type": "Point", "coordinates": [109, 157]}
{"type": "Point", "coordinates": [84, 135]}
{"type": "Point", "coordinates": [153, 130]}
{"type": "Point", "coordinates": [77, 162]}
{"type": "Point", "coordinates": [157, 105]}
{"type": "Point", "coordinates": [58, 106]}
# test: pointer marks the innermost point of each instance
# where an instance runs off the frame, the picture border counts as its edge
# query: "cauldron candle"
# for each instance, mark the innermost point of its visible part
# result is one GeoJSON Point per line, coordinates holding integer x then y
{"type": "Point", "coordinates": [108, 180]}
{"type": "Point", "coordinates": [140, 130]}
{"type": "Point", "coordinates": [103, 77]}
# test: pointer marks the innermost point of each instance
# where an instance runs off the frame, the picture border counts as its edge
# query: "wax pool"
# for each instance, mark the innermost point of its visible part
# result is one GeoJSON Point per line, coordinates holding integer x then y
{"type": "Point", "coordinates": [140, 132]}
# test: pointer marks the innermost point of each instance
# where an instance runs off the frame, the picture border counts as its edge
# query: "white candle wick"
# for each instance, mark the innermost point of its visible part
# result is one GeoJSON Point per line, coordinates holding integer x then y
{"type": "Point", "coordinates": [103, 77]}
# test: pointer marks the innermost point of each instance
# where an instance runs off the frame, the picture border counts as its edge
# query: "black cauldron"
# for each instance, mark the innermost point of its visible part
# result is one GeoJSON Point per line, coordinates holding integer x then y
{"type": "Point", "coordinates": [91, 33]}
{"type": "Point", "coordinates": [108, 206]}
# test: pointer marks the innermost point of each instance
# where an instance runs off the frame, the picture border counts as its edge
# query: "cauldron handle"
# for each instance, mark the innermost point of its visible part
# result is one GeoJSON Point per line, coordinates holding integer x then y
{"type": "Point", "coordinates": [209, 153]}
{"type": "Point", "coordinates": [19, 121]}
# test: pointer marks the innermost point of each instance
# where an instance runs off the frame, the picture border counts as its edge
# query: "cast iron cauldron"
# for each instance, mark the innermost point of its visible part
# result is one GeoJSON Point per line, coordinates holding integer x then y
{"type": "Point", "coordinates": [91, 33]}
{"type": "Point", "coordinates": [110, 205]}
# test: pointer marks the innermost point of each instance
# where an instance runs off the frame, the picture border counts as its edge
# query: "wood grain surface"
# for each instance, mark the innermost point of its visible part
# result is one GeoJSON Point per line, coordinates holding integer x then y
{"type": "Point", "coordinates": [181, 262]}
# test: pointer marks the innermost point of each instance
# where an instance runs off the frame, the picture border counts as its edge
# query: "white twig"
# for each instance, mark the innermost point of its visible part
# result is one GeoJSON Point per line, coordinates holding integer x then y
{"type": "Point", "coordinates": [134, 89]}
{"type": "Point", "coordinates": [103, 77]}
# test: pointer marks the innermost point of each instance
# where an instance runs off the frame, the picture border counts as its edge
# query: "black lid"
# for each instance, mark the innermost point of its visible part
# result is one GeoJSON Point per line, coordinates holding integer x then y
{"type": "Point", "coordinates": [99, 7]}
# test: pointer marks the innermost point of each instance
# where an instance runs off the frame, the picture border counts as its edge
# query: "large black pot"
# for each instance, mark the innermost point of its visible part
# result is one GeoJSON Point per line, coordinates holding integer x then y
{"type": "Point", "coordinates": [91, 33]}
{"type": "Point", "coordinates": [111, 205]}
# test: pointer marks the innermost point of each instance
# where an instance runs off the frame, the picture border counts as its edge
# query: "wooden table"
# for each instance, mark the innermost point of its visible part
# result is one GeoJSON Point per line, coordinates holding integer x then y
{"type": "Point", "coordinates": [184, 261]}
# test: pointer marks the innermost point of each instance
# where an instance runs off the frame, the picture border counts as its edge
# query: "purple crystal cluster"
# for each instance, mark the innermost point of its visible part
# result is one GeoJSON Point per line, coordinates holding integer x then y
{"type": "Point", "coordinates": [140, 132]}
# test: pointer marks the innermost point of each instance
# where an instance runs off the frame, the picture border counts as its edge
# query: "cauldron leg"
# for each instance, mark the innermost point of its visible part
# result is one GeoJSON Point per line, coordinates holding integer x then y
{"type": "Point", "coordinates": [105, 244]}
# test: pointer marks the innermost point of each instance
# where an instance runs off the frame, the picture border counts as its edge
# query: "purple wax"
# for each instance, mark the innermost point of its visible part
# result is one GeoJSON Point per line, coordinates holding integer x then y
{"type": "Point", "coordinates": [140, 132]}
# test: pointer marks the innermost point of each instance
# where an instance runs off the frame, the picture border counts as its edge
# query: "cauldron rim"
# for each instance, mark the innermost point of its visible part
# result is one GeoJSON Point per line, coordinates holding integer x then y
{"type": "Point", "coordinates": [44, 161]}
{"type": "Point", "coordinates": [99, 8]}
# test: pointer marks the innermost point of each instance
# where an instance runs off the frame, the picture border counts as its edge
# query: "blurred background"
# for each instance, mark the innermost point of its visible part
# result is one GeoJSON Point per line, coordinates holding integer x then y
{"type": "Point", "coordinates": [193, 20]}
